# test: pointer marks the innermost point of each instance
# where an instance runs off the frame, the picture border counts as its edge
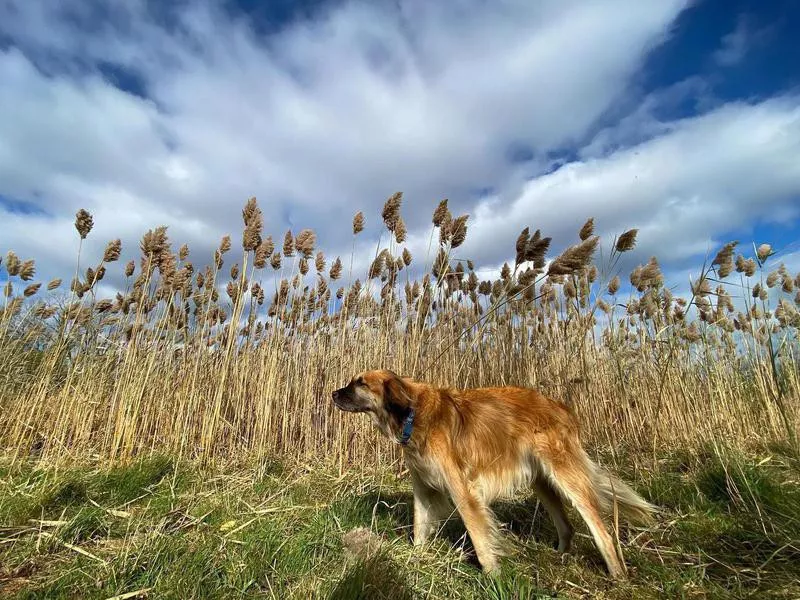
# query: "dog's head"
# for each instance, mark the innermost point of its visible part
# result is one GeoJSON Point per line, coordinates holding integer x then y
{"type": "Point", "coordinates": [381, 393]}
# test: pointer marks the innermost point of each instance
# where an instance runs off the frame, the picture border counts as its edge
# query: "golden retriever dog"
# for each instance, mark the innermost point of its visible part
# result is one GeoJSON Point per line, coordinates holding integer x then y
{"type": "Point", "coordinates": [471, 447]}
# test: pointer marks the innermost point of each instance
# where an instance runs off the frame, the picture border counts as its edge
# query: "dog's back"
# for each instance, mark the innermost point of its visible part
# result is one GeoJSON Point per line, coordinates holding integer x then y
{"type": "Point", "coordinates": [503, 420]}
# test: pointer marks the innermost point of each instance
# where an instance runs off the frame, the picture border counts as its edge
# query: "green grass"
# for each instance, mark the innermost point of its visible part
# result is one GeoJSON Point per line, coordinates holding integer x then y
{"type": "Point", "coordinates": [730, 529]}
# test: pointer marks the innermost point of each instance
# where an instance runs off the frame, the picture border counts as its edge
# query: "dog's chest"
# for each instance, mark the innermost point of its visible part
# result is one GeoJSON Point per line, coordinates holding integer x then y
{"type": "Point", "coordinates": [428, 471]}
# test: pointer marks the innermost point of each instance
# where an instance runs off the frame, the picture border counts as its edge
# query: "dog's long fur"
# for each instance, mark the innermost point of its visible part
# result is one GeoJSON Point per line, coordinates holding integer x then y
{"type": "Point", "coordinates": [471, 447]}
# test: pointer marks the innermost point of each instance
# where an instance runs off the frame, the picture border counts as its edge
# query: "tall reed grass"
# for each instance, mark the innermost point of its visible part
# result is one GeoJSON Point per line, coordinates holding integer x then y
{"type": "Point", "coordinates": [205, 361]}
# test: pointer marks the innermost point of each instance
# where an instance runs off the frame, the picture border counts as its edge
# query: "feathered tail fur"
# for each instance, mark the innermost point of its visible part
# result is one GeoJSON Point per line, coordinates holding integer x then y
{"type": "Point", "coordinates": [610, 490]}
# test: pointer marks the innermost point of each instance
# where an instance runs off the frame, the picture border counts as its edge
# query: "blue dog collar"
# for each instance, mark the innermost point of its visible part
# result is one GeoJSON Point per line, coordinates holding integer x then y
{"type": "Point", "coordinates": [408, 426]}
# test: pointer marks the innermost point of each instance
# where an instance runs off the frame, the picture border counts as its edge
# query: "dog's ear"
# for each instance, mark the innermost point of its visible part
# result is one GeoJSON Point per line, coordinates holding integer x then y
{"type": "Point", "coordinates": [397, 397]}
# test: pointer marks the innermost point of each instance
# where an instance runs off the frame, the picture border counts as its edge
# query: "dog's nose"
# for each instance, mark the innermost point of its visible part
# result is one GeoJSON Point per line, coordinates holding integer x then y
{"type": "Point", "coordinates": [335, 394]}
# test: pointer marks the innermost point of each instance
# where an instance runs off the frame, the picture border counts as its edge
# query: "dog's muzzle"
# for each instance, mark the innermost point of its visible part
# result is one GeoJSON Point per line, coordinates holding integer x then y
{"type": "Point", "coordinates": [341, 401]}
{"type": "Point", "coordinates": [339, 398]}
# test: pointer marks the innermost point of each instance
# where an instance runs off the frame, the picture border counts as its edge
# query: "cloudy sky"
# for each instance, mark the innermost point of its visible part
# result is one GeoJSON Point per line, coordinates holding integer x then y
{"type": "Point", "coordinates": [679, 117]}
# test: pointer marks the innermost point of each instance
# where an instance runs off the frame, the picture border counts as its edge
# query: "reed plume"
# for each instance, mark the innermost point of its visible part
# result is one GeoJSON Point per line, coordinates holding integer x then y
{"type": "Point", "coordinates": [358, 223]}
{"type": "Point", "coordinates": [251, 239]}
{"type": "Point", "coordinates": [575, 258]}
{"type": "Point", "coordinates": [254, 223]}
{"type": "Point", "coordinates": [27, 270]}
{"type": "Point", "coordinates": [336, 269]}
{"type": "Point", "coordinates": [261, 255]}
{"type": "Point", "coordinates": [441, 214]}
{"type": "Point", "coordinates": [536, 249]}
{"type": "Point", "coordinates": [587, 230]}
{"type": "Point", "coordinates": [83, 223]}
{"type": "Point", "coordinates": [12, 264]}
{"type": "Point", "coordinates": [304, 243]}
{"type": "Point", "coordinates": [505, 272]}
{"type": "Point", "coordinates": [627, 241]}
{"type": "Point", "coordinates": [103, 306]}
{"type": "Point", "coordinates": [391, 211]}
{"type": "Point", "coordinates": [406, 256]}
{"type": "Point", "coordinates": [613, 285]}
{"type": "Point", "coordinates": [378, 265]}
{"type": "Point", "coordinates": [521, 246]}
{"type": "Point", "coordinates": [400, 231]}
{"type": "Point", "coordinates": [458, 231]}
{"type": "Point", "coordinates": [724, 260]}
{"type": "Point", "coordinates": [112, 251]}
{"type": "Point", "coordinates": [288, 244]}
{"type": "Point", "coordinates": [772, 279]}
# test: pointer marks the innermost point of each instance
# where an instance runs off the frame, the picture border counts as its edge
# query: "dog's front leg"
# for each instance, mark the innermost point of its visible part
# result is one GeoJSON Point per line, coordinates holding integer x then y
{"type": "Point", "coordinates": [429, 507]}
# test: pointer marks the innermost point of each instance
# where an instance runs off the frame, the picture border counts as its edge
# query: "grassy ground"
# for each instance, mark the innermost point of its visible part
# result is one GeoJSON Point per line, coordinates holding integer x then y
{"type": "Point", "coordinates": [160, 529]}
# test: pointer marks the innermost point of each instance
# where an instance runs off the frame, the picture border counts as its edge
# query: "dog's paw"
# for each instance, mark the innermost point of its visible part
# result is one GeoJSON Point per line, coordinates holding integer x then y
{"type": "Point", "coordinates": [491, 568]}
{"type": "Point", "coordinates": [618, 576]}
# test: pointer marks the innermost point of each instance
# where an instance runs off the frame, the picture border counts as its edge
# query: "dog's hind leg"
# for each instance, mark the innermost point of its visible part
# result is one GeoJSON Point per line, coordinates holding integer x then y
{"type": "Point", "coordinates": [555, 508]}
{"type": "Point", "coordinates": [576, 485]}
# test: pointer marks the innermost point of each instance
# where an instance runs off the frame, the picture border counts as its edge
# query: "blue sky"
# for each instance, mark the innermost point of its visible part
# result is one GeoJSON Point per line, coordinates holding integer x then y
{"type": "Point", "coordinates": [679, 117]}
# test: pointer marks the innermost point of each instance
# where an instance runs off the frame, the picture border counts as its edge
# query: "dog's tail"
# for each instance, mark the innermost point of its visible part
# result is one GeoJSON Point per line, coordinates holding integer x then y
{"type": "Point", "coordinates": [612, 491]}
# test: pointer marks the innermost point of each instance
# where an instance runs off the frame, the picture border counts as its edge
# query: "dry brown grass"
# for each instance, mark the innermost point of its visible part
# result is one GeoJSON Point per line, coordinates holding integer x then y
{"type": "Point", "coordinates": [187, 361]}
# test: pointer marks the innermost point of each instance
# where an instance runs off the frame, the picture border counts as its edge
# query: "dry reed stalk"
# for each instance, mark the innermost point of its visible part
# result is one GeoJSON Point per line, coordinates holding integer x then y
{"type": "Point", "coordinates": [186, 374]}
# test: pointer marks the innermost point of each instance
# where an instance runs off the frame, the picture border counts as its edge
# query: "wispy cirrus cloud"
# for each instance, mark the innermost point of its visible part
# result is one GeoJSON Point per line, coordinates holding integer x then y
{"type": "Point", "coordinates": [737, 43]}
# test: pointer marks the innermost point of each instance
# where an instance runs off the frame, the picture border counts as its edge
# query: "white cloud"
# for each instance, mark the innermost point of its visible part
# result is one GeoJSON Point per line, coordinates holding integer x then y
{"type": "Point", "coordinates": [736, 44]}
{"type": "Point", "coordinates": [332, 115]}
{"type": "Point", "coordinates": [701, 177]}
